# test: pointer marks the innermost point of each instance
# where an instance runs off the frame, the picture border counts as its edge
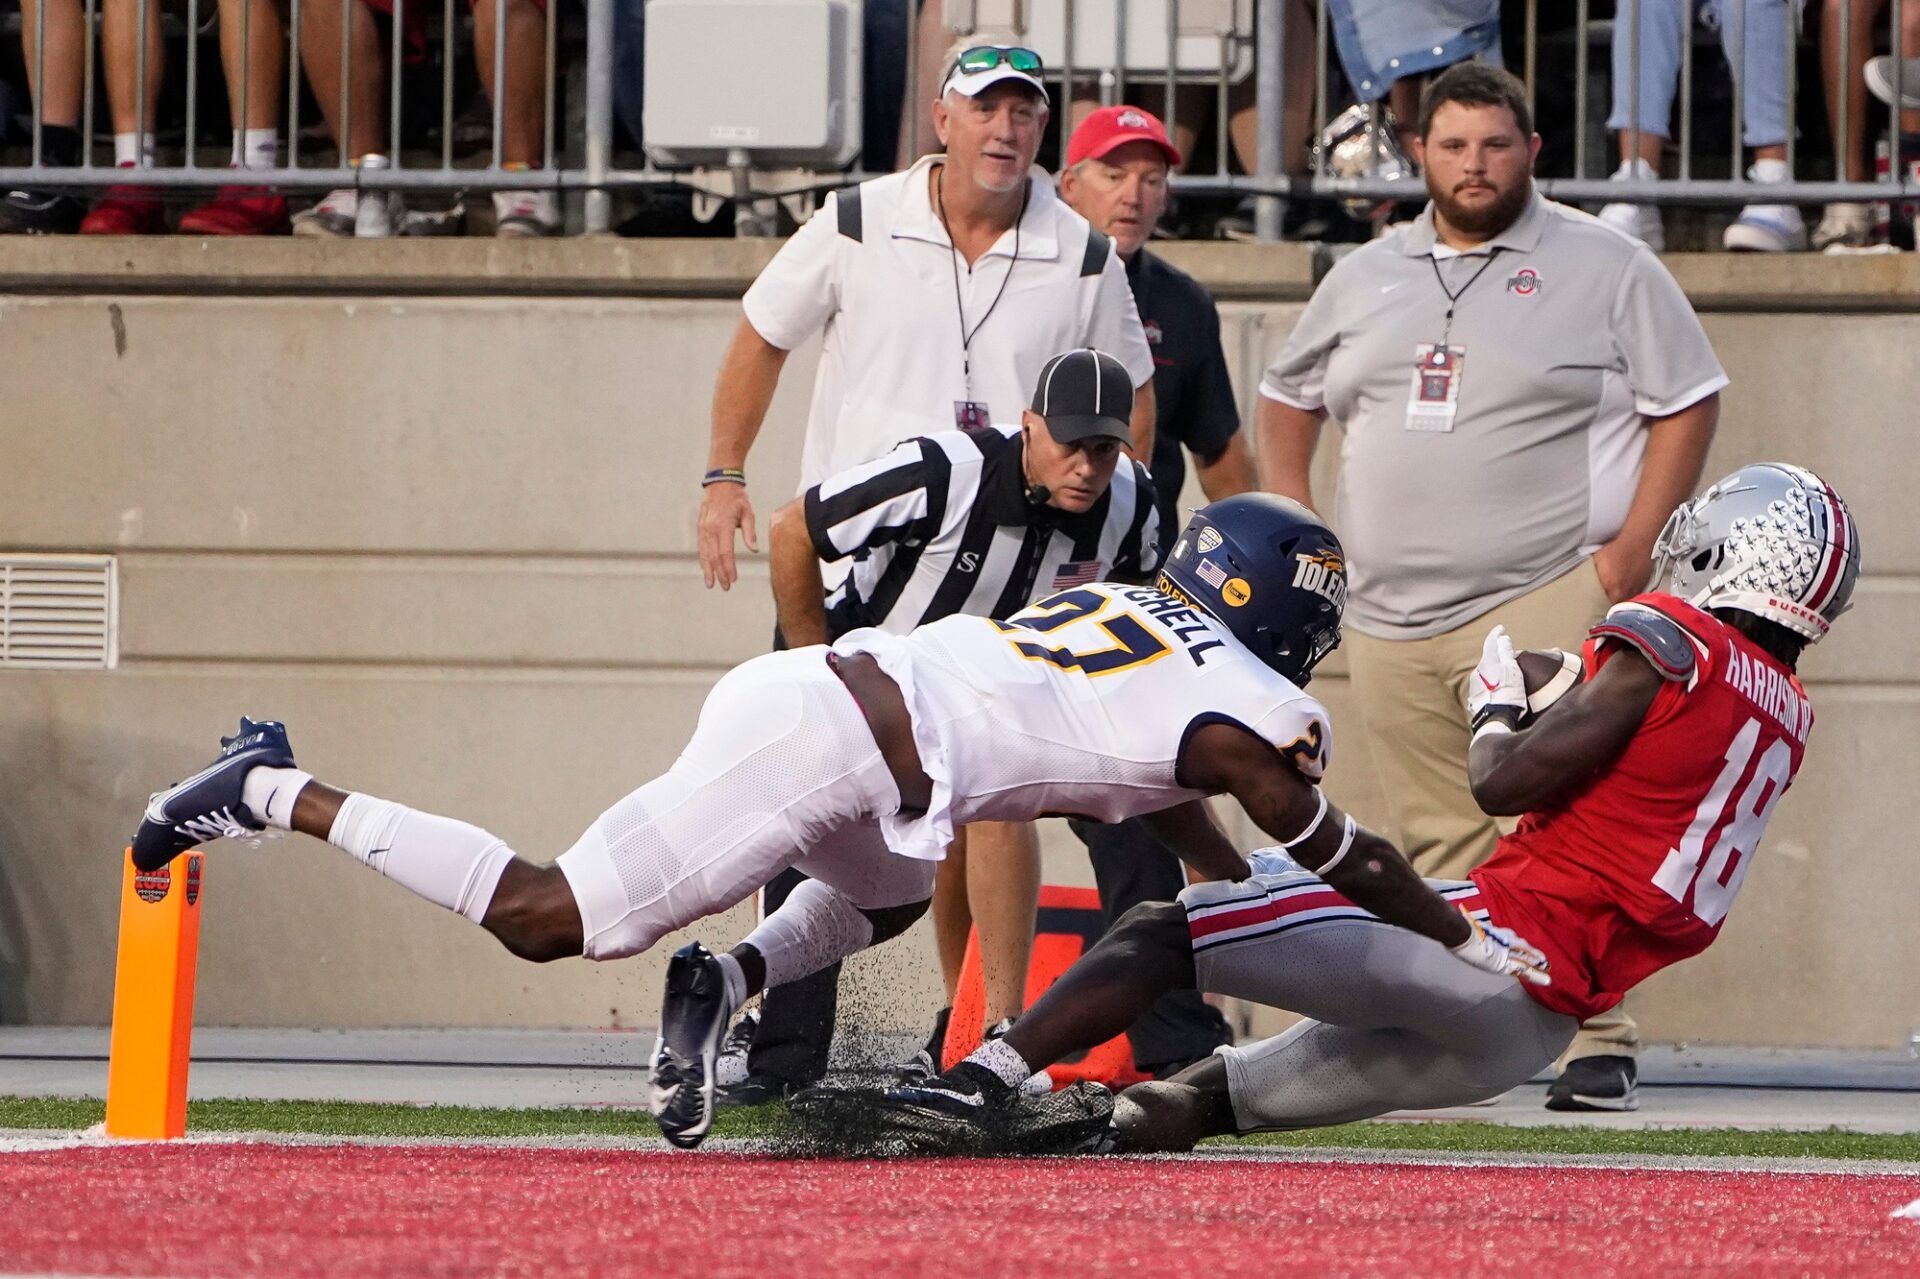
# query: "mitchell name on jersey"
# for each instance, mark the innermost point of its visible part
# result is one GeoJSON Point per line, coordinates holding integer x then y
{"type": "Point", "coordinates": [1078, 705]}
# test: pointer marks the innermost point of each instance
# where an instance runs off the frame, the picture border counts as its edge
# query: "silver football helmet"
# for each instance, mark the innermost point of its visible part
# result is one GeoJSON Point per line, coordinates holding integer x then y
{"type": "Point", "coordinates": [1362, 142]}
{"type": "Point", "coordinates": [1773, 539]}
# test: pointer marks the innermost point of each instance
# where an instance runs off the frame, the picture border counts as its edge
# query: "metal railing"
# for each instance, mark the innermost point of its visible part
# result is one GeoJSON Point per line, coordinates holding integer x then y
{"type": "Point", "coordinates": [1173, 56]}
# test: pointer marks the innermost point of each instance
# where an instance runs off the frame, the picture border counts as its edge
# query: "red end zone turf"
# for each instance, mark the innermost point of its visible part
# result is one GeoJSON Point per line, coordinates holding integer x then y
{"type": "Point", "coordinates": [222, 1210]}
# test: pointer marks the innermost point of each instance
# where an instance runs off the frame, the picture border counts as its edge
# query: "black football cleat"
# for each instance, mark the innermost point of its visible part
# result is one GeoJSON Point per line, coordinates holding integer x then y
{"type": "Point", "coordinates": [207, 805]}
{"type": "Point", "coordinates": [693, 1018]}
{"type": "Point", "coordinates": [1606, 1081]}
{"type": "Point", "coordinates": [956, 1112]}
{"type": "Point", "coordinates": [939, 1118]}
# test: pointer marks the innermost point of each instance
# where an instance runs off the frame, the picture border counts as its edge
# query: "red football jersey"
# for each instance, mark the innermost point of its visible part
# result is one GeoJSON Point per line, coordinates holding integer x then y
{"type": "Point", "coordinates": [1639, 869]}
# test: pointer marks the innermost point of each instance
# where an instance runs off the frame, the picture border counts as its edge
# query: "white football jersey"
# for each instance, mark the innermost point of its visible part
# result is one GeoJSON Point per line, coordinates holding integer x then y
{"type": "Point", "coordinates": [1077, 706]}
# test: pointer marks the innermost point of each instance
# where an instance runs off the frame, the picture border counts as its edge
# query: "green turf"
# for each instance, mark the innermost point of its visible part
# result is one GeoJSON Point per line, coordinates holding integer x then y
{"type": "Point", "coordinates": [365, 1119]}
{"type": "Point", "coordinates": [334, 1118]}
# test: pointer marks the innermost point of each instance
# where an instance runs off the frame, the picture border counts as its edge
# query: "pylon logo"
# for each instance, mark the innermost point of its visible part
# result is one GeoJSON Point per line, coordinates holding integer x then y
{"type": "Point", "coordinates": [152, 885]}
{"type": "Point", "coordinates": [193, 880]}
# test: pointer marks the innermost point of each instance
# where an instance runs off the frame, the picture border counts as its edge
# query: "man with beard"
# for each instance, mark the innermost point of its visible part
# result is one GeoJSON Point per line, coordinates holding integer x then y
{"type": "Point", "coordinates": [1524, 394]}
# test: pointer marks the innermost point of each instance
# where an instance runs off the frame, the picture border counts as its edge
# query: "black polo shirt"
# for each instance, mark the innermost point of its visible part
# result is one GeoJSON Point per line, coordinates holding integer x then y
{"type": "Point", "coordinates": [1190, 384]}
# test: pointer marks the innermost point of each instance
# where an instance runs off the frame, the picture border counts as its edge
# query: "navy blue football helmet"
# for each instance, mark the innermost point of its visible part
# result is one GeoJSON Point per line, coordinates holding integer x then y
{"type": "Point", "coordinates": [1270, 571]}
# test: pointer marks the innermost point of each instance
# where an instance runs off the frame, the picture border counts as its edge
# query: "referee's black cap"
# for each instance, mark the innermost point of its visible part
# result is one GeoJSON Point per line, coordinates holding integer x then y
{"type": "Point", "coordinates": [1083, 394]}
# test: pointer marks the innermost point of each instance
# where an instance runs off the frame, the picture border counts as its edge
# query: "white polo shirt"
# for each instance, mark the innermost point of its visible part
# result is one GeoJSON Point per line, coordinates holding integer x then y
{"type": "Point", "coordinates": [876, 270]}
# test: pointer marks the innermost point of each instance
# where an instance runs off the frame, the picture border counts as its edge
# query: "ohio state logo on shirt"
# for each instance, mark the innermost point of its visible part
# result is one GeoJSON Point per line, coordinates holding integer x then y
{"type": "Point", "coordinates": [1525, 282]}
{"type": "Point", "coordinates": [1154, 333]}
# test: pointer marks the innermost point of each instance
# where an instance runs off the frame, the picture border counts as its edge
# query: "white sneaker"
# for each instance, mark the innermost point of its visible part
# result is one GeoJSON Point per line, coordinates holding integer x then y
{"type": "Point", "coordinates": [525, 213]}
{"type": "Point", "coordinates": [1844, 228]}
{"type": "Point", "coordinates": [1767, 228]}
{"type": "Point", "coordinates": [1881, 72]}
{"type": "Point", "coordinates": [1641, 221]}
{"type": "Point", "coordinates": [332, 218]}
{"type": "Point", "coordinates": [380, 214]}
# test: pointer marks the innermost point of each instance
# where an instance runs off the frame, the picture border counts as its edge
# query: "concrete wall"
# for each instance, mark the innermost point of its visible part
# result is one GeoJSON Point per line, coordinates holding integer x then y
{"type": "Point", "coordinates": [449, 540]}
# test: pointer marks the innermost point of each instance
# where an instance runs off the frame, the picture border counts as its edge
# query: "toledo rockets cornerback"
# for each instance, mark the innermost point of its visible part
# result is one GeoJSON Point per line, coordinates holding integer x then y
{"type": "Point", "coordinates": [1081, 704]}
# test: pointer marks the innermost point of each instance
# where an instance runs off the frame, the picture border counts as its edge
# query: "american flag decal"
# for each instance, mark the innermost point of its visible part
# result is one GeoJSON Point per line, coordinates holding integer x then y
{"type": "Point", "coordinates": [1076, 573]}
{"type": "Point", "coordinates": [1210, 573]}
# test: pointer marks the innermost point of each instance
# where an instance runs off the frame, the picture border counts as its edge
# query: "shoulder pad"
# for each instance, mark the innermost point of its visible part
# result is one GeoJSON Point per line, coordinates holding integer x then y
{"type": "Point", "coordinates": [1094, 260]}
{"type": "Point", "coordinates": [1657, 637]}
{"type": "Point", "coordinates": [846, 204]}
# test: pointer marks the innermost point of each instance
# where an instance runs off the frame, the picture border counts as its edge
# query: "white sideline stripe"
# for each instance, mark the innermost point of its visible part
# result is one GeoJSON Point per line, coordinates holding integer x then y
{"type": "Point", "coordinates": [1520, 1159]}
{"type": "Point", "coordinates": [23, 1141]}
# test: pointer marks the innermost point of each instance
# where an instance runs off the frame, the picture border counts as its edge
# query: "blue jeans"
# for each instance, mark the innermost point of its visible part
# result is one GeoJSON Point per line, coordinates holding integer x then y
{"type": "Point", "coordinates": [1754, 35]}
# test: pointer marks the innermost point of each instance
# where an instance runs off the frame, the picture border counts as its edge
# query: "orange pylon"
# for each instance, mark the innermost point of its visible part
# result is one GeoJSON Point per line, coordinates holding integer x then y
{"type": "Point", "coordinates": [153, 999]}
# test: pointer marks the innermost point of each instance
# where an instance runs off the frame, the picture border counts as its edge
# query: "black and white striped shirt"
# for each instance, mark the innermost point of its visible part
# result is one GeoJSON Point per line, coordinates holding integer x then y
{"type": "Point", "coordinates": [941, 525]}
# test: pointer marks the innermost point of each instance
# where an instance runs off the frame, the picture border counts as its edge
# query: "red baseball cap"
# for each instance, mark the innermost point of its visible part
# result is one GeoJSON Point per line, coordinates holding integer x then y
{"type": "Point", "coordinates": [1111, 127]}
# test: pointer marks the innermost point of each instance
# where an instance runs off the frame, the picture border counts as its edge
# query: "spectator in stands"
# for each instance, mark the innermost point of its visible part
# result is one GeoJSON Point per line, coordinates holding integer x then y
{"type": "Point", "coordinates": [1385, 46]}
{"type": "Point", "coordinates": [941, 291]}
{"type": "Point", "coordinates": [1849, 225]}
{"type": "Point", "coordinates": [256, 91]}
{"type": "Point", "coordinates": [1518, 420]}
{"type": "Point", "coordinates": [522, 114]}
{"type": "Point", "coordinates": [1118, 163]}
{"type": "Point", "coordinates": [31, 212]}
{"type": "Point", "coordinates": [1756, 36]}
{"type": "Point", "coordinates": [1194, 103]}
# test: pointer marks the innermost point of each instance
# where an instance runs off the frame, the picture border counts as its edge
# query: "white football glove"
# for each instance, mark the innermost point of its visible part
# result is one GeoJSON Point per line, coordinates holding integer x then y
{"type": "Point", "coordinates": [1497, 690]}
{"type": "Point", "coordinates": [1503, 952]}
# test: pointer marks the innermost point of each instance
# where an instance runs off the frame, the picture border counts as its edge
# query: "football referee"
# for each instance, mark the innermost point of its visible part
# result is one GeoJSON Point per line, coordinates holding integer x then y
{"type": "Point", "coordinates": [980, 521]}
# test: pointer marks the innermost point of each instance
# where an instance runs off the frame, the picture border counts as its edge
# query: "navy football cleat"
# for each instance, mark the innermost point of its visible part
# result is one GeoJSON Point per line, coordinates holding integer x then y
{"type": "Point", "coordinates": [207, 805]}
{"type": "Point", "coordinates": [693, 1018]}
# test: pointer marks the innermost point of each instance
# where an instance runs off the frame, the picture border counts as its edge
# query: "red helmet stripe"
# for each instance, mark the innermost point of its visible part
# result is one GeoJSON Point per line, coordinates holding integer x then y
{"type": "Point", "coordinates": [1838, 539]}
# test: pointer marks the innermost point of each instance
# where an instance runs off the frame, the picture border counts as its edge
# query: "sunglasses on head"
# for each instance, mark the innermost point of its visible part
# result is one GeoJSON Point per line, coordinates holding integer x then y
{"type": "Point", "coordinates": [986, 57]}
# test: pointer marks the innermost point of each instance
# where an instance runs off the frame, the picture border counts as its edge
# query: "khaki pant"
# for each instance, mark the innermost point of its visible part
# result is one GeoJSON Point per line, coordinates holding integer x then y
{"type": "Point", "coordinates": [1412, 698]}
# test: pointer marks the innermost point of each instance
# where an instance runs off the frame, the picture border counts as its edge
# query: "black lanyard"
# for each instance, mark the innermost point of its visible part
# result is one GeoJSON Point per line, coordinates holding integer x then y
{"type": "Point", "coordinates": [959, 304]}
{"type": "Point", "coordinates": [1454, 295]}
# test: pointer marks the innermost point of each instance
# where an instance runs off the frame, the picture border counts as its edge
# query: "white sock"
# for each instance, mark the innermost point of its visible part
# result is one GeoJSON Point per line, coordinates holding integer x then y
{"type": "Point", "coordinates": [736, 980]}
{"type": "Point", "coordinates": [1006, 1064]}
{"type": "Point", "coordinates": [270, 792]}
{"type": "Point", "coordinates": [1771, 171]}
{"type": "Point", "coordinates": [448, 862]}
{"type": "Point", "coordinates": [815, 926]}
{"type": "Point", "coordinates": [256, 148]}
{"type": "Point", "coordinates": [133, 150]}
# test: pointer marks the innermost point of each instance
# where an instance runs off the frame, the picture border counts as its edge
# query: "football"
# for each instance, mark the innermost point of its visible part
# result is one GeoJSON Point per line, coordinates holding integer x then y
{"type": "Point", "coordinates": [1549, 673]}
